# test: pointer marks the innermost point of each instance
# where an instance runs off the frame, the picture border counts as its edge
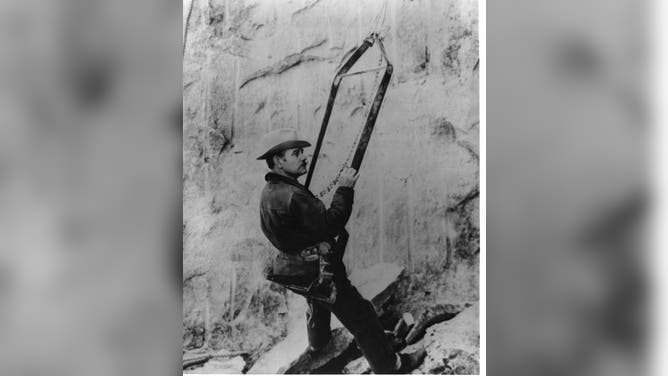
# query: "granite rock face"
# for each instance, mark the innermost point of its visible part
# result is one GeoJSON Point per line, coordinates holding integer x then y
{"type": "Point", "coordinates": [254, 66]}
{"type": "Point", "coordinates": [453, 347]}
{"type": "Point", "coordinates": [229, 366]}
{"type": "Point", "coordinates": [359, 366]}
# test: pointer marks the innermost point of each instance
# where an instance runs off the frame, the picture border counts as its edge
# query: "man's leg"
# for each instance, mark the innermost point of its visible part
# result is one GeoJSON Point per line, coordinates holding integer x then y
{"type": "Point", "coordinates": [359, 317]}
{"type": "Point", "coordinates": [318, 319]}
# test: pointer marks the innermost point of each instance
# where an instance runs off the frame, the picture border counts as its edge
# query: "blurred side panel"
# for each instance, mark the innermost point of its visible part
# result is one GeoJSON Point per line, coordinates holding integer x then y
{"type": "Point", "coordinates": [90, 187]}
{"type": "Point", "coordinates": [567, 195]}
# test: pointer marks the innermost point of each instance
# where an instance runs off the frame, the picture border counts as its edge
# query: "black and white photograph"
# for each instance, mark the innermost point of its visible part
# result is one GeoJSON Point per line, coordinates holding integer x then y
{"type": "Point", "coordinates": [215, 187]}
{"type": "Point", "coordinates": [331, 187]}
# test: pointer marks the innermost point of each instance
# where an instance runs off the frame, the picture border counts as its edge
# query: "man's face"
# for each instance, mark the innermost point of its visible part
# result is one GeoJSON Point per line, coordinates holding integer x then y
{"type": "Point", "coordinates": [293, 162]}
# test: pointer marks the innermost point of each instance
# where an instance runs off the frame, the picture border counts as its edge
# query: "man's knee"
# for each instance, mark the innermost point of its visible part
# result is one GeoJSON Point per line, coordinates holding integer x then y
{"type": "Point", "coordinates": [356, 311]}
{"type": "Point", "coordinates": [348, 295]}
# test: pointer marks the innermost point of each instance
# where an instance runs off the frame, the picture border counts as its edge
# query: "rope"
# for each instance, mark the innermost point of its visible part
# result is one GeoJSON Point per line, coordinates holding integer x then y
{"type": "Point", "coordinates": [378, 21]}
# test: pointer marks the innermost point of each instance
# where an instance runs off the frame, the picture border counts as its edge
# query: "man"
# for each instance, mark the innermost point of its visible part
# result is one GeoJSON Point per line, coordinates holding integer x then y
{"type": "Point", "coordinates": [305, 234]}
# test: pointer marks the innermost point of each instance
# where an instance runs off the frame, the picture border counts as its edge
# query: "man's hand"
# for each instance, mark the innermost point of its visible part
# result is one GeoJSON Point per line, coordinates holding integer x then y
{"type": "Point", "coordinates": [348, 177]}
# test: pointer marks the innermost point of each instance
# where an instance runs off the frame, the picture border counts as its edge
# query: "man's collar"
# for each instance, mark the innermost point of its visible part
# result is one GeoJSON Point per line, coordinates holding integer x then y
{"type": "Point", "coordinates": [274, 177]}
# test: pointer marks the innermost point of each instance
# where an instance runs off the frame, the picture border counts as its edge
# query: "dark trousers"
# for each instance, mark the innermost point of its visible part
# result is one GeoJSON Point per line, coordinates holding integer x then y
{"type": "Point", "coordinates": [358, 316]}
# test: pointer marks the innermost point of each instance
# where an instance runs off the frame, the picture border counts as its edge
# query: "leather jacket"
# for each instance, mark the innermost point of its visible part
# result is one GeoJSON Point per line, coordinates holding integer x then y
{"type": "Point", "coordinates": [292, 218]}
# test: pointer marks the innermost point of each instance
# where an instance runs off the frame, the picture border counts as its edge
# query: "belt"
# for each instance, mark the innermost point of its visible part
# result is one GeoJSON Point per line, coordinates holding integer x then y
{"type": "Point", "coordinates": [308, 254]}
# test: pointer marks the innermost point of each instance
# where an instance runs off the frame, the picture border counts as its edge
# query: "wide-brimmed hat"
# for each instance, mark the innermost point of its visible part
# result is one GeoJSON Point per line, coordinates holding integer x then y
{"type": "Point", "coordinates": [279, 140]}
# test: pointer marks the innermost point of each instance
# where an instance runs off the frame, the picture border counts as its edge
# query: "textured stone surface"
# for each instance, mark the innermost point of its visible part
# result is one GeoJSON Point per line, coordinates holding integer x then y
{"type": "Point", "coordinates": [359, 366]}
{"type": "Point", "coordinates": [432, 315]}
{"type": "Point", "coordinates": [253, 66]}
{"type": "Point", "coordinates": [229, 366]}
{"type": "Point", "coordinates": [452, 346]}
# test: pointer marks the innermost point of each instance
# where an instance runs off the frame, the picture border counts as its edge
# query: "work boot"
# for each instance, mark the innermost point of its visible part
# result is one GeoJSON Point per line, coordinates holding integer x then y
{"type": "Point", "coordinates": [411, 361]}
{"type": "Point", "coordinates": [309, 354]}
{"type": "Point", "coordinates": [312, 351]}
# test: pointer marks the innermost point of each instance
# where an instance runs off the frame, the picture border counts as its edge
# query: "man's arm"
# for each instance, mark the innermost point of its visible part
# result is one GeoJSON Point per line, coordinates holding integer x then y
{"type": "Point", "coordinates": [318, 219]}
